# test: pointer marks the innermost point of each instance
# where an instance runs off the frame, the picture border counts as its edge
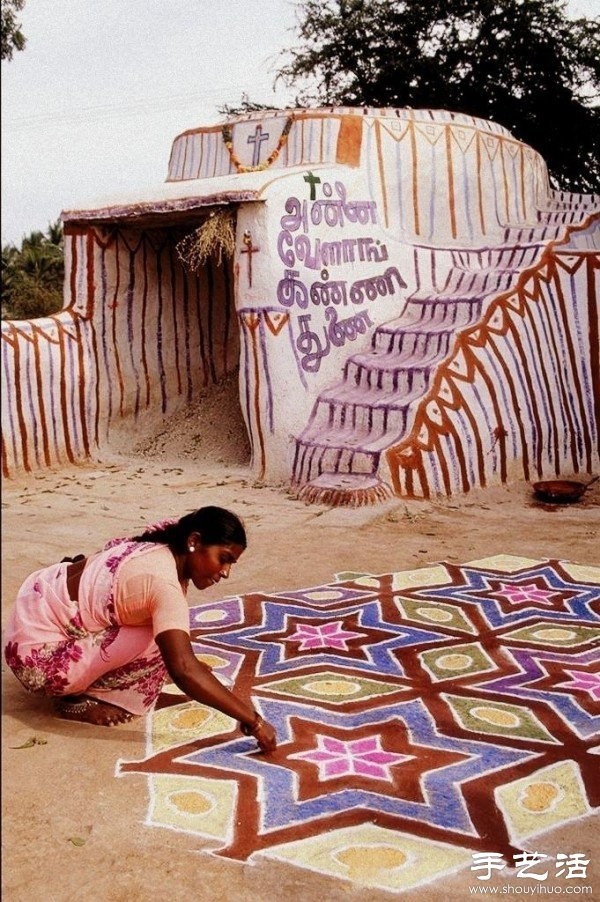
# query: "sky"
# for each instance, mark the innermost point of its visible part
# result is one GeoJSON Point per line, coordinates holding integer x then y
{"type": "Point", "coordinates": [90, 108]}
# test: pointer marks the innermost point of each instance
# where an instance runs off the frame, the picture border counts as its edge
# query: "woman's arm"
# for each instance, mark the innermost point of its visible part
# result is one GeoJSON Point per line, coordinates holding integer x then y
{"type": "Point", "coordinates": [198, 682]}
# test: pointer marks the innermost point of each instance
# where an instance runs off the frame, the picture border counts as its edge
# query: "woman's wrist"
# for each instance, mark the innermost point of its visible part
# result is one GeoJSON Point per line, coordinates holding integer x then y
{"type": "Point", "coordinates": [250, 727]}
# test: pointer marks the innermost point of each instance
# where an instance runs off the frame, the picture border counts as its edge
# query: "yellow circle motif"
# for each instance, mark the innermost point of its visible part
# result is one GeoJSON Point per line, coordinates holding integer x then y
{"type": "Point", "coordinates": [454, 662]}
{"type": "Point", "coordinates": [552, 633]}
{"type": "Point", "coordinates": [496, 716]}
{"type": "Point", "coordinates": [191, 801]}
{"type": "Point", "coordinates": [440, 615]}
{"type": "Point", "coordinates": [332, 687]}
{"type": "Point", "coordinates": [539, 797]}
{"type": "Point", "coordinates": [212, 660]}
{"type": "Point", "coordinates": [368, 861]}
{"type": "Point", "coordinates": [190, 719]}
{"type": "Point", "coordinates": [330, 595]}
{"type": "Point", "coordinates": [210, 616]}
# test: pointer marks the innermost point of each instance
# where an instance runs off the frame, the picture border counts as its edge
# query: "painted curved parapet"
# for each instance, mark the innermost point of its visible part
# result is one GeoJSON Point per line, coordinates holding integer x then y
{"type": "Point", "coordinates": [357, 231]}
{"type": "Point", "coordinates": [121, 350]}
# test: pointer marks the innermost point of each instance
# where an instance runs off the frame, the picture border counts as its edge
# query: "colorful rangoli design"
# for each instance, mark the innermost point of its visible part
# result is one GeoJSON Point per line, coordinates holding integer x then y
{"type": "Point", "coordinates": [423, 717]}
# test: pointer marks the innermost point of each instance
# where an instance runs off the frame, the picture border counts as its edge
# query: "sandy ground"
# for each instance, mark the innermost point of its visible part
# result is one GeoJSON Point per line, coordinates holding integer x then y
{"type": "Point", "coordinates": [71, 829]}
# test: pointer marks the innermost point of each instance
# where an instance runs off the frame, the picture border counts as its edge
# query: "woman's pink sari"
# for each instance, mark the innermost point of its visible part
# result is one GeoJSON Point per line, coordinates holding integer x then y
{"type": "Point", "coordinates": [58, 646]}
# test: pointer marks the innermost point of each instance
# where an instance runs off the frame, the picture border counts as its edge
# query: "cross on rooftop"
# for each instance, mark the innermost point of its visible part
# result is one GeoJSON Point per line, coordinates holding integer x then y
{"type": "Point", "coordinates": [312, 181]}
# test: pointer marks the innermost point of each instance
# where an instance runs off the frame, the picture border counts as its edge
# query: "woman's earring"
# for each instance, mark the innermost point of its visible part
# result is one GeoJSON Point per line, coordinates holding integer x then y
{"type": "Point", "coordinates": [191, 547]}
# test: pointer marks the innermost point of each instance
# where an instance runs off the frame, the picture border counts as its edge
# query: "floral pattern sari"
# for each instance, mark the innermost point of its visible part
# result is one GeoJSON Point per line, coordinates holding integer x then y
{"type": "Point", "coordinates": [56, 645]}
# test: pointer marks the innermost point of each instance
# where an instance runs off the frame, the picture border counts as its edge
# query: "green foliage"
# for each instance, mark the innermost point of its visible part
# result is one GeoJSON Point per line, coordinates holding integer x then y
{"type": "Point", "coordinates": [521, 63]}
{"type": "Point", "coordinates": [11, 36]}
{"type": "Point", "coordinates": [33, 275]}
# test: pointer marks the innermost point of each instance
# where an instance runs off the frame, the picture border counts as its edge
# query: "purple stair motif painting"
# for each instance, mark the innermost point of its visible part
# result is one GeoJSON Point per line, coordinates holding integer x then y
{"type": "Point", "coordinates": [338, 454]}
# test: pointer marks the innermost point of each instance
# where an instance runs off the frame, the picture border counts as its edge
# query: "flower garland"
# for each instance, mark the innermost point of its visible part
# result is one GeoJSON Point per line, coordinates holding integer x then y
{"type": "Point", "coordinates": [228, 141]}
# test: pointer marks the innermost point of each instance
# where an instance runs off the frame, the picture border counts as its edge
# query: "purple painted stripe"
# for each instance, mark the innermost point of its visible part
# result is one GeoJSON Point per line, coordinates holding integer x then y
{"type": "Point", "coordinates": [29, 387]}
{"type": "Point", "coordinates": [432, 192]}
{"type": "Point", "coordinates": [54, 401]}
{"type": "Point", "coordinates": [133, 355]}
{"type": "Point", "coordinates": [267, 374]}
{"type": "Point", "coordinates": [466, 196]}
{"type": "Point", "coordinates": [104, 343]}
{"type": "Point", "coordinates": [247, 376]}
{"type": "Point", "coordinates": [159, 332]}
{"type": "Point", "coordinates": [71, 373]}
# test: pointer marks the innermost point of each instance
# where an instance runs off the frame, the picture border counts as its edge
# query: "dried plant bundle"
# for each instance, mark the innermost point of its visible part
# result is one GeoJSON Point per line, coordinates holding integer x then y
{"type": "Point", "coordinates": [216, 236]}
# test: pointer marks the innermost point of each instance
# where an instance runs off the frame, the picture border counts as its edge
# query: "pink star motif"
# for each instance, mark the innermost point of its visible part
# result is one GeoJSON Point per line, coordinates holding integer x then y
{"type": "Point", "coordinates": [520, 594]}
{"type": "Point", "coordinates": [360, 757]}
{"type": "Point", "coordinates": [587, 682]}
{"type": "Point", "coordinates": [327, 635]}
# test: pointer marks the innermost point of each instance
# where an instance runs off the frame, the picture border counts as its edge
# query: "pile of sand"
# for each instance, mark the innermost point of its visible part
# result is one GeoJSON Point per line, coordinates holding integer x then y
{"type": "Point", "coordinates": [211, 427]}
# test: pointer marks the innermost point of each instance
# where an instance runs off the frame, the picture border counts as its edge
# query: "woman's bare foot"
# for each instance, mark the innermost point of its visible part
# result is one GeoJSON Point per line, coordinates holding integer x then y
{"type": "Point", "coordinates": [86, 709]}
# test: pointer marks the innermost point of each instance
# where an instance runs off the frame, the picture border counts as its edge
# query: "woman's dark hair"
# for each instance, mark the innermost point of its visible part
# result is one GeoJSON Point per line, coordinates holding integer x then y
{"type": "Point", "coordinates": [215, 525]}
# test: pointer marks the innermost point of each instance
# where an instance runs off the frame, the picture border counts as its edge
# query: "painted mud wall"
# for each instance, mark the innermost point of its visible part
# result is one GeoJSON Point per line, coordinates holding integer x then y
{"type": "Point", "coordinates": [139, 337]}
{"type": "Point", "coordinates": [499, 406]}
{"type": "Point", "coordinates": [348, 221]}
{"type": "Point", "coordinates": [427, 205]}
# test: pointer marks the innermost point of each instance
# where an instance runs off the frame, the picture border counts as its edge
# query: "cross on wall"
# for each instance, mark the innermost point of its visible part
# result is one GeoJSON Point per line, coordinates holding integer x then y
{"type": "Point", "coordinates": [257, 139]}
{"type": "Point", "coordinates": [249, 249]}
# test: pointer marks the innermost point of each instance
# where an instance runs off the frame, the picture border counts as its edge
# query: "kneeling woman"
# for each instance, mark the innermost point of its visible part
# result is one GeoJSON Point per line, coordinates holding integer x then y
{"type": "Point", "coordinates": [100, 634]}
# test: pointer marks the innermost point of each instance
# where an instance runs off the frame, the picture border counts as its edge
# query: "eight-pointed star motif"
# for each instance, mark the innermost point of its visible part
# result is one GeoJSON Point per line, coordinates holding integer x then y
{"type": "Point", "coordinates": [586, 682]}
{"type": "Point", "coordinates": [519, 593]}
{"type": "Point", "coordinates": [360, 757]}
{"type": "Point", "coordinates": [323, 635]}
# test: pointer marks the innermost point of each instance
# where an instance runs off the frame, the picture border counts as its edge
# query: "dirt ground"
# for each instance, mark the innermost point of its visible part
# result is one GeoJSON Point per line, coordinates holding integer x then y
{"type": "Point", "coordinates": [72, 830]}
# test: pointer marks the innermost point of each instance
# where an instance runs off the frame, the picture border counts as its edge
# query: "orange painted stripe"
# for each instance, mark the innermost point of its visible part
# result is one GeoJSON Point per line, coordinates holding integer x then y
{"type": "Point", "coordinates": [479, 182]}
{"type": "Point", "coordinates": [593, 263]}
{"type": "Point", "coordinates": [349, 141]}
{"type": "Point", "coordinates": [415, 191]}
{"type": "Point", "coordinates": [450, 168]}
{"type": "Point", "coordinates": [381, 172]}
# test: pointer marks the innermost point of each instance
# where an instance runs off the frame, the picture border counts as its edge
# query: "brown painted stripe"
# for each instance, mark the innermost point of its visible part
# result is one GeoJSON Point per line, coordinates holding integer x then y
{"type": "Point", "coordinates": [415, 184]}
{"type": "Point", "coordinates": [517, 417]}
{"type": "Point", "coordinates": [175, 314]}
{"type": "Point", "coordinates": [81, 386]}
{"type": "Point", "coordinates": [450, 171]}
{"type": "Point", "coordinates": [40, 393]}
{"type": "Point", "coordinates": [144, 351]}
{"type": "Point", "coordinates": [525, 372]}
{"type": "Point", "coordinates": [543, 371]}
{"type": "Point", "coordinates": [575, 381]}
{"type": "Point", "coordinates": [19, 398]}
{"type": "Point", "coordinates": [5, 467]}
{"type": "Point", "coordinates": [559, 364]}
{"type": "Point", "coordinates": [114, 308]}
{"type": "Point", "coordinates": [593, 263]}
